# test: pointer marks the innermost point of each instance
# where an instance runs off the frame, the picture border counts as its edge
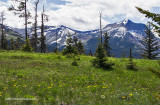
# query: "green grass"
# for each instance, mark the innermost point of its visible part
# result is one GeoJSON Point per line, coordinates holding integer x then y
{"type": "Point", "coordinates": [53, 80]}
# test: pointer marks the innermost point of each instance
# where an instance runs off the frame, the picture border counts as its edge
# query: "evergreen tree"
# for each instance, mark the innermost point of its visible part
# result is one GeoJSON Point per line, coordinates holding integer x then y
{"type": "Point", "coordinates": [12, 47]}
{"type": "Point", "coordinates": [18, 43]}
{"type": "Point", "coordinates": [75, 40]}
{"type": "Point", "coordinates": [106, 44]}
{"type": "Point", "coordinates": [150, 44]}
{"type": "Point", "coordinates": [70, 48]}
{"type": "Point", "coordinates": [27, 46]}
{"type": "Point", "coordinates": [80, 47]}
{"type": "Point", "coordinates": [5, 43]}
{"type": "Point", "coordinates": [131, 65]}
{"type": "Point", "coordinates": [73, 45]}
{"type": "Point", "coordinates": [21, 9]}
{"type": "Point", "coordinates": [130, 55]}
{"type": "Point", "coordinates": [154, 16]}
{"type": "Point", "coordinates": [100, 52]}
{"type": "Point", "coordinates": [101, 59]}
{"type": "Point", "coordinates": [90, 53]}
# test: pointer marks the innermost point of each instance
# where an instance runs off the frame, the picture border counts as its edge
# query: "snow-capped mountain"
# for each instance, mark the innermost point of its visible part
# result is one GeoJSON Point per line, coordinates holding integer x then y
{"type": "Point", "coordinates": [122, 34]}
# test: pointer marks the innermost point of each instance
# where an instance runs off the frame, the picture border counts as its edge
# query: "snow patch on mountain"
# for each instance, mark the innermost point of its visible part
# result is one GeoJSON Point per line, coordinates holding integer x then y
{"type": "Point", "coordinates": [125, 21]}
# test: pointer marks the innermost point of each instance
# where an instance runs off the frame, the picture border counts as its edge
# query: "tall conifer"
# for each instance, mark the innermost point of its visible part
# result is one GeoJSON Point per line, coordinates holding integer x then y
{"type": "Point", "coordinates": [154, 16]}
{"type": "Point", "coordinates": [106, 44]}
{"type": "Point", "coordinates": [150, 44]}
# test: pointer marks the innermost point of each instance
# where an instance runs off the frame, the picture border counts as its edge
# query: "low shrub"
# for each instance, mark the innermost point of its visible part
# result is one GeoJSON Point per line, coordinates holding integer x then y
{"type": "Point", "coordinates": [75, 63]}
{"type": "Point", "coordinates": [132, 66]}
{"type": "Point", "coordinates": [154, 71]}
{"type": "Point", "coordinates": [104, 63]}
{"type": "Point", "coordinates": [158, 61]}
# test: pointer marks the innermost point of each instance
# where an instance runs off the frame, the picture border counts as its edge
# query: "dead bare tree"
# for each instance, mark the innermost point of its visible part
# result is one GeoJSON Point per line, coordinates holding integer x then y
{"type": "Point", "coordinates": [34, 39]}
{"type": "Point", "coordinates": [22, 11]}
{"type": "Point", "coordinates": [44, 18]}
{"type": "Point", "coordinates": [100, 27]}
{"type": "Point", "coordinates": [2, 18]}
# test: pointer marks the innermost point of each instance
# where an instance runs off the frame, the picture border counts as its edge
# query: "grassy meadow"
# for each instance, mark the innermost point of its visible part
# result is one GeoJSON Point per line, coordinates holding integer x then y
{"type": "Point", "coordinates": [51, 79]}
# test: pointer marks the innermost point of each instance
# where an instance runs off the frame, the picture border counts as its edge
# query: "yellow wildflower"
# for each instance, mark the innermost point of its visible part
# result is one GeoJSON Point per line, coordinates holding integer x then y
{"type": "Point", "coordinates": [123, 97]}
{"type": "Point", "coordinates": [131, 95]}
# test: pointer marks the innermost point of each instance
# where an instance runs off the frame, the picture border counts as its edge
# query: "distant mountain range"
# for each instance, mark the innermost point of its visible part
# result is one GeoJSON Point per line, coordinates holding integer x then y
{"type": "Point", "coordinates": [10, 33]}
{"type": "Point", "coordinates": [123, 35]}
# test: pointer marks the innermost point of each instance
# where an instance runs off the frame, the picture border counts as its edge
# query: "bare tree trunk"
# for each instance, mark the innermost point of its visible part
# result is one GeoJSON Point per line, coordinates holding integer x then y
{"type": "Point", "coordinates": [101, 27]}
{"type": "Point", "coordinates": [56, 41]}
{"type": "Point", "coordinates": [2, 27]}
{"type": "Point", "coordinates": [26, 20]}
{"type": "Point", "coordinates": [35, 26]}
{"type": "Point", "coordinates": [42, 34]}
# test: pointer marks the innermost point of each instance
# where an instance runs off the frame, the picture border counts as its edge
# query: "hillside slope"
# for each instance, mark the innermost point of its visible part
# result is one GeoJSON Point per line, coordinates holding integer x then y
{"type": "Point", "coordinates": [10, 33]}
{"type": "Point", "coordinates": [51, 79]}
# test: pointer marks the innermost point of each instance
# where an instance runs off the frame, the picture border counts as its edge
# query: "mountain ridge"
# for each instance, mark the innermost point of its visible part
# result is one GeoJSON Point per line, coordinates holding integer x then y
{"type": "Point", "coordinates": [123, 34]}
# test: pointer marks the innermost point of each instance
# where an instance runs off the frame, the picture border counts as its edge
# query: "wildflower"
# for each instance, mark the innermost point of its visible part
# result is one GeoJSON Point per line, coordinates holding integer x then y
{"type": "Point", "coordinates": [49, 87]}
{"type": "Point", "coordinates": [102, 96]}
{"type": "Point", "coordinates": [95, 86]}
{"type": "Point", "coordinates": [14, 85]}
{"type": "Point", "coordinates": [39, 85]}
{"type": "Point", "coordinates": [88, 86]}
{"type": "Point", "coordinates": [24, 86]}
{"type": "Point", "coordinates": [124, 97]}
{"type": "Point", "coordinates": [131, 95]}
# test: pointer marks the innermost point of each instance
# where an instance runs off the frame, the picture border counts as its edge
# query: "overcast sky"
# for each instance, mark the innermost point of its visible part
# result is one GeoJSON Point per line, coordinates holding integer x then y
{"type": "Point", "coordinates": [84, 14]}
